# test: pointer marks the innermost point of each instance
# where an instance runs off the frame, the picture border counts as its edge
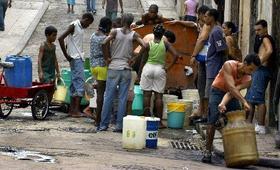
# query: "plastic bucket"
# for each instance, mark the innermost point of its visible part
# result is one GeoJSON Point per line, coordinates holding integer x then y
{"type": "Point", "coordinates": [167, 98]}
{"type": "Point", "coordinates": [176, 115]}
{"type": "Point", "coordinates": [193, 95]}
{"type": "Point", "coordinates": [66, 76]}
{"type": "Point", "coordinates": [189, 108]}
{"type": "Point", "coordinates": [137, 104]}
{"type": "Point", "coordinates": [60, 93]}
{"type": "Point", "coordinates": [152, 132]}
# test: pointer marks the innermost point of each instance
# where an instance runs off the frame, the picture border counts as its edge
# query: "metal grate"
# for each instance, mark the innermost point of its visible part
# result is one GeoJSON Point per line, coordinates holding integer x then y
{"type": "Point", "coordinates": [187, 145]}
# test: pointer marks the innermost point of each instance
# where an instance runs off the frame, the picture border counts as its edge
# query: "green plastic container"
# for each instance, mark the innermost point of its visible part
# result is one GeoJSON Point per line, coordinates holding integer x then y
{"type": "Point", "coordinates": [87, 64]}
{"type": "Point", "coordinates": [137, 104]}
{"type": "Point", "coordinates": [66, 76]}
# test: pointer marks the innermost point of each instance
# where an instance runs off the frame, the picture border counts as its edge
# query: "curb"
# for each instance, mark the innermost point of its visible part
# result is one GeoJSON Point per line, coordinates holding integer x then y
{"type": "Point", "coordinates": [263, 161]}
{"type": "Point", "coordinates": [22, 43]}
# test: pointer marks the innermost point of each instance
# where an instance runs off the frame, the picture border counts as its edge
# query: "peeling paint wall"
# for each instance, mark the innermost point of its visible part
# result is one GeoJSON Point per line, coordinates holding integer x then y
{"type": "Point", "coordinates": [265, 12]}
{"type": "Point", "coordinates": [227, 14]}
{"type": "Point", "coordinates": [244, 25]}
{"type": "Point", "coordinates": [180, 8]}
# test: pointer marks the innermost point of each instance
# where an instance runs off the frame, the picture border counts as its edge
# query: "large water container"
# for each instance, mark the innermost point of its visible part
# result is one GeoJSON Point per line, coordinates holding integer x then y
{"type": "Point", "coordinates": [239, 139]}
{"type": "Point", "coordinates": [134, 132]}
{"type": "Point", "coordinates": [28, 68]}
{"type": "Point", "coordinates": [21, 74]}
{"type": "Point", "coordinates": [66, 76]}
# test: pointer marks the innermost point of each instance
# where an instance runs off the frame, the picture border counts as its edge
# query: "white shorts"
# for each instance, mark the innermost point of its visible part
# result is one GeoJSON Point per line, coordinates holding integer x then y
{"type": "Point", "coordinates": [153, 78]}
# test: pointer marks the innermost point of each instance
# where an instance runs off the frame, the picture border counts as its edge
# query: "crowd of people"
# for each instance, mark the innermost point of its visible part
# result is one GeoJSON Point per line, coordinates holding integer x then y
{"type": "Point", "coordinates": [222, 69]}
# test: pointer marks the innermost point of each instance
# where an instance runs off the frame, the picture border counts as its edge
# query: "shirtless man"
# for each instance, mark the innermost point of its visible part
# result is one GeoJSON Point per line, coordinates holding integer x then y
{"type": "Point", "coordinates": [264, 47]}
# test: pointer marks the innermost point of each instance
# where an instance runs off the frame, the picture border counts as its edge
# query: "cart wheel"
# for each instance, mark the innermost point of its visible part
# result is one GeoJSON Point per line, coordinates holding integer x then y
{"type": "Point", "coordinates": [40, 105]}
{"type": "Point", "coordinates": [6, 109]}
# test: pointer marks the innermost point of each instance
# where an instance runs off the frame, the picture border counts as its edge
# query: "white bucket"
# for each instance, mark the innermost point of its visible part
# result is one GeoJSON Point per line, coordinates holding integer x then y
{"type": "Point", "coordinates": [192, 94]}
{"type": "Point", "coordinates": [167, 98]}
{"type": "Point", "coordinates": [189, 108]}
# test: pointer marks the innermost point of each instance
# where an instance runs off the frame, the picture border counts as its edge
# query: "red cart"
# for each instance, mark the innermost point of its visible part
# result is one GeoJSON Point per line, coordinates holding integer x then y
{"type": "Point", "coordinates": [37, 96]}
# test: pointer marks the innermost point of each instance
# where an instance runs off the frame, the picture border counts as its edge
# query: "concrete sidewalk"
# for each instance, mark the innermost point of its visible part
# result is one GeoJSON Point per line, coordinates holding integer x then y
{"type": "Point", "coordinates": [20, 22]}
{"type": "Point", "coordinates": [166, 7]}
{"type": "Point", "coordinates": [269, 155]}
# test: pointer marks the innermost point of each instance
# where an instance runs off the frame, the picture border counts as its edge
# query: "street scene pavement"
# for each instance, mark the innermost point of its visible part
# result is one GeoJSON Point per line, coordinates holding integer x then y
{"type": "Point", "coordinates": [62, 142]}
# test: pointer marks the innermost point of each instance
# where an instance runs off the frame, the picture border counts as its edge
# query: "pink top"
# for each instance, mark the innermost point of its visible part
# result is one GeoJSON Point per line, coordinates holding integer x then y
{"type": "Point", "coordinates": [190, 7]}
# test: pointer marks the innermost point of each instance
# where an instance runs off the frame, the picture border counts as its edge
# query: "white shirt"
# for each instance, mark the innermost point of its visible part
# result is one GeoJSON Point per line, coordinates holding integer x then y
{"type": "Point", "coordinates": [75, 41]}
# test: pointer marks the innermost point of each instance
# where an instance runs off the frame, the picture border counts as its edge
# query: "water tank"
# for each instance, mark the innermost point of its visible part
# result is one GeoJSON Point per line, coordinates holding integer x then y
{"type": "Point", "coordinates": [21, 74]}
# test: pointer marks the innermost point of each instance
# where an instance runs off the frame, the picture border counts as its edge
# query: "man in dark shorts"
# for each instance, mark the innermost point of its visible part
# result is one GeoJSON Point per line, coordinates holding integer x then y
{"type": "Point", "coordinates": [265, 47]}
{"type": "Point", "coordinates": [225, 94]}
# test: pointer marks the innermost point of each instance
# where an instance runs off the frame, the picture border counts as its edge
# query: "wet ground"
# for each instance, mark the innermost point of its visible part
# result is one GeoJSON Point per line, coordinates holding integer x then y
{"type": "Point", "coordinates": [59, 139]}
{"type": "Point", "coordinates": [61, 142]}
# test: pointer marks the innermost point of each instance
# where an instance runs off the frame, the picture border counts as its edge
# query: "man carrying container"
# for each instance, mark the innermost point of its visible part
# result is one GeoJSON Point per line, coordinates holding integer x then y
{"type": "Point", "coordinates": [225, 93]}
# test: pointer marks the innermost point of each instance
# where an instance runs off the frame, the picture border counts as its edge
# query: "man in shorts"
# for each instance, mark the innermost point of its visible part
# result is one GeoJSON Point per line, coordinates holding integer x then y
{"type": "Point", "coordinates": [225, 94]}
{"type": "Point", "coordinates": [265, 47]}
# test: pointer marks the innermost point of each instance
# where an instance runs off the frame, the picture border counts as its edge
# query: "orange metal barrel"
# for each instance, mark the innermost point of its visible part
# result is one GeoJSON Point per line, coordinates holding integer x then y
{"type": "Point", "coordinates": [185, 43]}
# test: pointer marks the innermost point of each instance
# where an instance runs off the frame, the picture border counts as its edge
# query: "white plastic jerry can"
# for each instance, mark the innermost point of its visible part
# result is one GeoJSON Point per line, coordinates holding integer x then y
{"type": "Point", "coordinates": [134, 132]}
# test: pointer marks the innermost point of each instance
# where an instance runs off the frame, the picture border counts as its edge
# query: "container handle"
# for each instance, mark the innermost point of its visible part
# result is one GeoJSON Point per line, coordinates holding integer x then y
{"type": "Point", "coordinates": [174, 109]}
{"type": "Point", "coordinates": [88, 79]}
{"type": "Point", "coordinates": [61, 79]}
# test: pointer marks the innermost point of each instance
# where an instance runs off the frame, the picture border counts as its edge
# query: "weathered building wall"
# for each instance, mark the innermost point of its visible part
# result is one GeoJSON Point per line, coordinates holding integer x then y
{"type": "Point", "coordinates": [227, 14]}
{"type": "Point", "coordinates": [265, 12]}
{"type": "Point", "coordinates": [244, 25]}
{"type": "Point", "coordinates": [179, 6]}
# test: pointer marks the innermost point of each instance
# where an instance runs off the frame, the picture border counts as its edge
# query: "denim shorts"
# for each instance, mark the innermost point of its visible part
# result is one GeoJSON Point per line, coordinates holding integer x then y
{"type": "Point", "coordinates": [77, 87]}
{"type": "Point", "coordinates": [208, 85]}
{"type": "Point", "coordinates": [260, 79]}
{"type": "Point", "coordinates": [215, 99]}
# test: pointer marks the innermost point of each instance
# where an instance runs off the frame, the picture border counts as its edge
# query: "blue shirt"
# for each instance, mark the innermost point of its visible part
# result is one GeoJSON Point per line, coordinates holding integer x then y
{"type": "Point", "coordinates": [215, 54]}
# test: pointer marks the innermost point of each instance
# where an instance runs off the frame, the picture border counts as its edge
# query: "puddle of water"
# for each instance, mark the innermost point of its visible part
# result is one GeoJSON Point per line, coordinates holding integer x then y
{"type": "Point", "coordinates": [26, 155]}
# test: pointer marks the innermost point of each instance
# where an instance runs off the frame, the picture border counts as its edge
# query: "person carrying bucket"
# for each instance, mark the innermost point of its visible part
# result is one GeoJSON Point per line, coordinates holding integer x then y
{"type": "Point", "coordinates": [225, 94]}
{"type": "Point", "coordinates": [153, 70]}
